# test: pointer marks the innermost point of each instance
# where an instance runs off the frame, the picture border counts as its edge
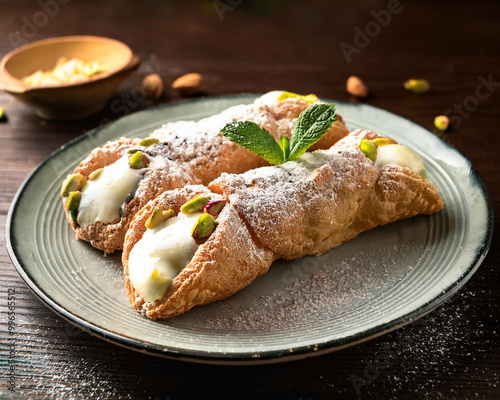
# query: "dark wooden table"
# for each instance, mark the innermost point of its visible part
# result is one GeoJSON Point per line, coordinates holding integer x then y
{"type": "Point", "coordinates": [255, 46]}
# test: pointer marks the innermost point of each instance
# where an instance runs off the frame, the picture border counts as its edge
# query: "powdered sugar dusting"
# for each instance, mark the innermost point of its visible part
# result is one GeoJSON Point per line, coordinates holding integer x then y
{"type": "Point", "coordinates": [188, 153]}
{"type": "Point", "coordinates": [328, 289]}
{"type": "Point", "coordinates": [294, 206]}
{"type": "Point", "coordinates": [187, 140]}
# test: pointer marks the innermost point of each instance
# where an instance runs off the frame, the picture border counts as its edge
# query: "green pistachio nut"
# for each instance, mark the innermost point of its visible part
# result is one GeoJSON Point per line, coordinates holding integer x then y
{"type": "Point", "coordinates": [195, 204]}
{"type": "Point", "coordinates": [368, 147]}
{"type": "Point", "coordinates": [149, 142]}
{"type": "Point", "coordinates": [138, 160]}
{"type": "Point", "coordinates": [310, 98]}
{"type": "Point", "coordinates": [73, 215]}
{"type": "Point", "coordinates": [73, 203]}
{"type": "Point", "coordinates": [3, 116]}
{"type": "Point", "coordinates": [204, 226]}
{"type": "Point", "coordinates": [167, 214]}
{"type": "Point", "coordinates": [96, 174]}
{"type": "Point", "coordinates": [159, 216]}
{"type": "Point", "coordinates": [383, 141]}
{"type": "Point", "coordinates": [155, 218]}
{"type": "Point", "coordinates": [417, 86]}
{"type": "Point", "coordinates": [72, 183]}
{"type": "Point", "coordinates": [214, 207]}
{"type": "Point", "coordinates": [441, 122]}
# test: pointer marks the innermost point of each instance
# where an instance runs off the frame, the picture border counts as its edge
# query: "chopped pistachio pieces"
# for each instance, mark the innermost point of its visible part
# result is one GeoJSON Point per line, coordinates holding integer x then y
{"type": "Point", "coordinates": [310, 98]}
{"type": "Point", "coordinates": [383, 141]}
{"type": "Point", "coordinates": [71, 183]}
{"type": "Point", "coordinates": [167, 214]}
{"type": "Point", "coordinates": [368, 147]}
{"type": "Point", "coordinates": [155, 218]}
{"type": "Point", "coordinates": [417, 86]}
{"type": "Point", "coordinates": [195, 204]}
{"type": "Point", "coordinates": [149, 142]}
{"type": "Point", "coordinates": [214, 207]}
{"type": "Point", "coordinates": [137, 160]}
{"type": "Point", "coordinates": [204, 226]}
{"type": "Point", "coordinates": [96, 174]}
{"type": "Point", "coordinates": [73, 203]}
{"type": "Point", "coordinates": [73, 200]}
{"type": "Point", "coordinates": [159, 216]}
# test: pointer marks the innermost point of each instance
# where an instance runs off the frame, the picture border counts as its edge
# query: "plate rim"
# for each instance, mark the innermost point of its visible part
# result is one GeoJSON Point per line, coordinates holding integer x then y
{"type": "Point", "coordinates": [245, 358]}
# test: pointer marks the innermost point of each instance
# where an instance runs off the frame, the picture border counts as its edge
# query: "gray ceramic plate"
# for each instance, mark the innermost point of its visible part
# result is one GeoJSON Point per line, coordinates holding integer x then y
{"type": "Point", "coordinates": [369, 286]}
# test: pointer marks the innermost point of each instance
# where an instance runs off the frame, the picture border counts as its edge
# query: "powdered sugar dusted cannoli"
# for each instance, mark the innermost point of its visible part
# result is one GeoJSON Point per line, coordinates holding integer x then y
{"type": "Point", "coordinates": [298, 208]}
{"type": "Point", "coordinates": [115, 181]}
{"type": "Point", "coordinates": [307, 207]}
{"type": "Point", "coordinates": [167, 271]}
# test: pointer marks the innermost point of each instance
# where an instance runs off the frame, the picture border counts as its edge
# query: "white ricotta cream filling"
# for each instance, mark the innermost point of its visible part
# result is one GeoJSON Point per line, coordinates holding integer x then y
{"type": "Point", "coordinates": [161, 254]}
{"type": "Point", "coordinates": [102, 198]}
{"type": "Point", "coordinates": [270, 98]}
{"type": "Point", "coordinates": [400, 155]}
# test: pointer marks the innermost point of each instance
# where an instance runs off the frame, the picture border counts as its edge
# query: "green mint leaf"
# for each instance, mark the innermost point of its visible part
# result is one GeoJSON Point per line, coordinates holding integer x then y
{"type": "Point", "coordinates": [285, 146]}
{"type": "Point", "coordinates": [313, 123]}
{"type": "Point", "coordinates": [256, 139]}
{"type": "Point", "coordinates": [311, 126]}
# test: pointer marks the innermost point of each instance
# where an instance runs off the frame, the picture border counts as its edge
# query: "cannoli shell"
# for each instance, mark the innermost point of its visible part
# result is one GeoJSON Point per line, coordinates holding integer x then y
{"type": "Point", "coordinates": [287, 211]}
{"type": "Point", "coordinates": [109, 236]}
{"type": "Point", "coordinates": [194, 153]}
{"type": "Point", "coordinates": [308, 207]}
{"type": "Point", "coordinates": [215, 272]}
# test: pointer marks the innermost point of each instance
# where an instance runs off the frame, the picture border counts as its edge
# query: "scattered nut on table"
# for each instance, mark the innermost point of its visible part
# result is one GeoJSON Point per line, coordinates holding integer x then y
{"type": "Point", "coordinates": [417, 86]}
{"type": "Point", "coordinates": [441, 122]}
{"type": "Point", "coordinates": [189, 83]}
{"type": "Point", "coordinates": [152, 85]}
{"type": "Point", "coordinates": [356, 87]}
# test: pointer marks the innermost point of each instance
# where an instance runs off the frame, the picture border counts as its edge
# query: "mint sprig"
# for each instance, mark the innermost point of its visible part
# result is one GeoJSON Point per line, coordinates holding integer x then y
{"type": "Point", "coordinates": [312, 124]}
{"type": "Point", "coordinates": [256, 139]}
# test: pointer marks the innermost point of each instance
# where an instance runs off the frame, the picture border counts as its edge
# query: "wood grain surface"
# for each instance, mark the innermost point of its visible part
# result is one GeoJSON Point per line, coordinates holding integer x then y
{"type": "Point", "coordinates": [256, 46]}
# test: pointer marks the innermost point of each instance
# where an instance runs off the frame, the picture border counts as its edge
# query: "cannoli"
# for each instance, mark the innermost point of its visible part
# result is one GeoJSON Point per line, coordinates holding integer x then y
{"type": "Point", "coordinates": [115, 181]}
{"type": "Point", "coordinates": [302, 207]}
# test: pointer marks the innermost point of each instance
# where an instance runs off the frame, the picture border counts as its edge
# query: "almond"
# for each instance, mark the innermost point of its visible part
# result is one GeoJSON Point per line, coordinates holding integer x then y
{"type": "Point", "coordinates": [188, 83]}
{"type": "Point", "coordinates": [356, 87]}
{"type": "Point", "coordinates": [152, 85]}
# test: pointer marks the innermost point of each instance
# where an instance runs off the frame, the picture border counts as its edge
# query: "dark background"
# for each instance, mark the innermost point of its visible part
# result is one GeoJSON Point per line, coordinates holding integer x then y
{"type": "Point", "coordinates": [257, 46]}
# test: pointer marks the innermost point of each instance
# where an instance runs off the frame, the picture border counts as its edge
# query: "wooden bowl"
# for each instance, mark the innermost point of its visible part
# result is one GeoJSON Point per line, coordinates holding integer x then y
{"type": "Point", "coordinates": [67, 101]}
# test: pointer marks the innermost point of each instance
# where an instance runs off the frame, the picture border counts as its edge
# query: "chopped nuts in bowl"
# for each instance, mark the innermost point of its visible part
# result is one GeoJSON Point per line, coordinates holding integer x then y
{"type": "Point", "coordinates": [97, 66]}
